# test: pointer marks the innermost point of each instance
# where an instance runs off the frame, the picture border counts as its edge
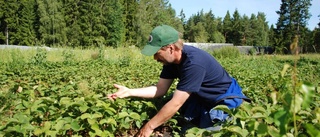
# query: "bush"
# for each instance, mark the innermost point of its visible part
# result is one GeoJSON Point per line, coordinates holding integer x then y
{"type": "Point", "coordinates": [226, 52]}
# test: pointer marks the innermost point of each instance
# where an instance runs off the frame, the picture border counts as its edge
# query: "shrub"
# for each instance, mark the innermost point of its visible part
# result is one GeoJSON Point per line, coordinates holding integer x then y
{"type": "Point", "coordinates": [226, 52]}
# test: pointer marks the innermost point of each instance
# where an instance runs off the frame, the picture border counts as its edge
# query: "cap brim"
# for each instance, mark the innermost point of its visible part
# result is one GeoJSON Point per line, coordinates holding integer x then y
{"type": "Point", "coordinates": [149, 50]}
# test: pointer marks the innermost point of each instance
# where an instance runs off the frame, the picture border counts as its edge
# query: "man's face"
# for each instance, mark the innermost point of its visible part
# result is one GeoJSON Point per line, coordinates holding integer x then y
{"type": "Point", "coordinates": [164, 55]}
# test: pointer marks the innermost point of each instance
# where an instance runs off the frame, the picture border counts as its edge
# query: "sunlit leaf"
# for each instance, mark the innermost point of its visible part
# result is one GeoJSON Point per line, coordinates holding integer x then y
{"type": "Point", "coordinates": [297, 104]}
{"type": "Point", "coordinates": [238, 130]}
{"type": "Point", "coordinates": [96, 115]}
{"type": "Point", "coordinates": [75, 126]}
{"type": "Point", "coordinates": [85, 116]}
{"type": "Point", "coordinates": [134, 115]}
{"type": "Point", "coordinates": [83, 108]}
{"type": "Point", "coordinates": [284, 70]}
{"type": "Point", "coordinates": [37, 131]}
{"type": "Point", "coordinates": [312, 130]}
{"type": "Point", "coordinates": [59, 125]}
{"type": "Point", "coordinates": [308, 91]}
{"type": "Point", "coordinates": [223, 108]}
{"type": "Point", "coordinates": [47, 126]}
{"type": "Point", "coordinates": [122, 115]}
{"type": "Point", "coordinates": [273, 96]}
{"type": "Point", "coordinates": [273, 131]}
{"type": "Point", "coordinates": [258, 115]}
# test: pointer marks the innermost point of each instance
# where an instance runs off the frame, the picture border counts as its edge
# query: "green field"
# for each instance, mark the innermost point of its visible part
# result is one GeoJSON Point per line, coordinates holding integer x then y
{"type": "Point", "coordinates": [63, 93]}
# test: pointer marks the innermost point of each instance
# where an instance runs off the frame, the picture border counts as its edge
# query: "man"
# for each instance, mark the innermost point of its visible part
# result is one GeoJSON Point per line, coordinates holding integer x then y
{"type": "Point", "coordinates": [203, 83]}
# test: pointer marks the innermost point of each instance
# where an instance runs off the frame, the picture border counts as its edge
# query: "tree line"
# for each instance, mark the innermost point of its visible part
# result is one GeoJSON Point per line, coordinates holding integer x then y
{"type": "Point", "coordinates": [116, 23]}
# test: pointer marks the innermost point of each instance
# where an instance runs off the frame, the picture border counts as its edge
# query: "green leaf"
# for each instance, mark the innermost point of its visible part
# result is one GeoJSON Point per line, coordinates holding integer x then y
{"type": "Point", "coordinates": [135, 116]}
{"type": "Point", "coordinates": [92, 121]}
{"type": "Point", "coordinates": [297, 104]}
{"type": "Point", "coordinates": [112, 121]}
{"type": "Point", "coordinates": [47, 126]}
{"type": "Point", "coordinates": [96, 128]}
{"type": "Point", "coordinates": [238, 130]}
{"type": "Point", "coordinates": [274, 97]}
{"type": "Point", "coordinates": [22, 118]}
{"type": "Point", "coordinates": [258, 109]}
{"type": "Point", "coordinates": [273, 131]}
{"type": "Point", "coordinates": [37, 131]}
{"type": "Point", "coordinates": [96, 115]}
{"type": "Point", "coordinates": [26, 104]}
{"type": "Point", "coordinates": [312, 130]}
{"type": "Point", "coordinates": [284, 70]}
{"type": "Point", "coordinates": [59, 125]}
{"type": "Point", "coordinates": [281, 119]}
{"type": "Point", "coordinates": [27, 126]}
{"type": "Point", "coordinates": [308, 91]}
{"type": "Point", "coordinates": [223, 108]}
{"type": "Point", "coordinates": [122, 115]}
{"type": "Point", "coordinates": [83, 108]}
{"type": "Point", "coordinates": [258, 115]}
{"type": "Point", "coordinates": [85, 116]}
{"type": "Point", "coordinates": [65, 101]}
{"type": "Point", "coordinates": [75, 126]}
{"type": "Point", "coordinates": [262, 128]}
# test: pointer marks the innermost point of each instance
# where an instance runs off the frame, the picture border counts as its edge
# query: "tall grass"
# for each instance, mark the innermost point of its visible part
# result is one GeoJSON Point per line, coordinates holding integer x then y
{"type": "Point", "coordinates": [63, 54]}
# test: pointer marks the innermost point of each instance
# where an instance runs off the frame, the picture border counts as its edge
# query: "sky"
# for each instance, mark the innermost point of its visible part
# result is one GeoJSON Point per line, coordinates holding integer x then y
{"type": "Point", "coordinates": [247, 7]}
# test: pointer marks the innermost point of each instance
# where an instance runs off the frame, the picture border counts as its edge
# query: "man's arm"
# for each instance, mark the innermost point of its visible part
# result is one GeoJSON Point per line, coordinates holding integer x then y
{"type": "Point", "coordinates": [147, 92]}
{"type": "Point", "coordinates": [165, 113]}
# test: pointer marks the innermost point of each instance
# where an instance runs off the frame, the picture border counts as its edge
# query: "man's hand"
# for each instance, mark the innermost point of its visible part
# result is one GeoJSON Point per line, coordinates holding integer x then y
{"type": "Point", "coordinates": [145, 131]}
{"type": "Point", "coordinates": [121, 93]}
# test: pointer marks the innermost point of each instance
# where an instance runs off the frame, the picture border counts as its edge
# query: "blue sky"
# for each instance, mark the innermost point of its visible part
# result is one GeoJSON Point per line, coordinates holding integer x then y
{"type": "Point", "coordinates": [247, 7]}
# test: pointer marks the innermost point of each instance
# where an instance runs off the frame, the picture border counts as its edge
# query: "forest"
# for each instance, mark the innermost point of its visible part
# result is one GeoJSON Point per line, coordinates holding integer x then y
{"type": "Point", "coordinates": [122, 23]}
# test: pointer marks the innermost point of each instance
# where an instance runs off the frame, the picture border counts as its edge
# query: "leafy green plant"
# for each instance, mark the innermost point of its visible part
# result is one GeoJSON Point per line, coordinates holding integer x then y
{"type": "Point", "coordinates": [54, 98]}
{"type": "Point", "coordinates": [229, 52]}
{"type": "Point", "coordinates": [40, 57]}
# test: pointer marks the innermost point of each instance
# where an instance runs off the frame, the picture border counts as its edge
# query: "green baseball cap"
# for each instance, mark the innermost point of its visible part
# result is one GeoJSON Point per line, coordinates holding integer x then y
{"type": "Point", "coordinates": [160, 36]}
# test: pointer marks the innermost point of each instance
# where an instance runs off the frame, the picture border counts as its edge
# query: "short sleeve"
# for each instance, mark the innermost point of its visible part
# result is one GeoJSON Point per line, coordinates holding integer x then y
{"type": "Point", "coordinates": [169, 72]}
{"type": "Point", "coordinates": [191, 78]}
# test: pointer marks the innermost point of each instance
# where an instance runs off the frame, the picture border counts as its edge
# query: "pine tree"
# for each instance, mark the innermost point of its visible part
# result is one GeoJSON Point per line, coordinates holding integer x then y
{"type": "Point", "coordinates": [26, 31]}
{"type": "Point", "coordinates": [227, 27]}
{"type": "Point", "coordinates": [9, 20]}
{"type": "Point", "coordinates": [247, 34]}
{"type": "Point", "coordinates": [262, 30]}
{"type": "Point", "coordinates": [236, 28]}
{"type": "Point", "coordinates": [71, 12]}
{"type": "Point", "coordinates": [51, 22]}
{"type": "Point", "coordinates": [130, 11]}
{"type": "Point", "coordinates": [293, 16]}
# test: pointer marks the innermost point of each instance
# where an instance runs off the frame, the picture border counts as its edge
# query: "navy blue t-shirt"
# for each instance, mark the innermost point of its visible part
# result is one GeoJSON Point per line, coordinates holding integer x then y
{"type": "Point", "coordinates": [199, 73]}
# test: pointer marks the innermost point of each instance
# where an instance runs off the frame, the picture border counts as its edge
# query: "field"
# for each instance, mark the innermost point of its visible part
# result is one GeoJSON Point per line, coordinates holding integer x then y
{"type": "Point", "coordinates": [63, 93]}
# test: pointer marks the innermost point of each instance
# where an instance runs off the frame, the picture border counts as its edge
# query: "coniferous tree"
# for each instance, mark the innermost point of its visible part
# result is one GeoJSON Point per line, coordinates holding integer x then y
{"type": "Point", "coordinates": [262, 30]}
{"type": "Point", "coordinates": [210, 26]}
{"type": "Point", "coordinates": [114, 33]}
{"type": "Point", "coordinates": [200, 33]}
{"type": "Point", "coordinates": [71, 12]}
{"type": "Point", "coordinates": [247, 33]}
{"type": "Point", "coordinates": [9, 20]}
{"type": "Point", "coordinates": [316, 38]}
{"type": "Point", "coordinates": [130, 11]}
{"type": "Point", "coordinates": [227, 27]}
{"type": "Point", "coordinates": [236, 28]}
{"type": "Point", "coordinates": [292, 21]}
{"type": "Point", "coordinates": [271, 36]}
{"type": "Point", "coordinates": [26, 30]}
{"type": "Point", "coordinates": [151, 14]}
{"type": "Point", "coordinates": [218, 36]}
{"type": "Point", "coordinates": [3, 25]}
{"type": "Point", "coordinates": [52, 26]}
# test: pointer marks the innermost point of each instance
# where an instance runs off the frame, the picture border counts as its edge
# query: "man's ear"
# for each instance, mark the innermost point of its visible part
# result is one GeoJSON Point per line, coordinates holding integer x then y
{"type": "Point", "coordinates": [172, 47]}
